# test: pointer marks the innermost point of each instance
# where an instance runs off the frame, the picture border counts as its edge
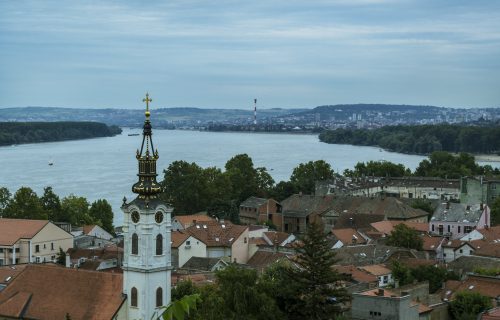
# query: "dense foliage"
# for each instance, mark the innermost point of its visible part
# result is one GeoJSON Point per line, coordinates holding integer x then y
{"type": "Point", "coordinates": [30, 132]}
{"type": "Point", "coordinates": [467, 305]}
{"type": "Point", "coordinates": [26, 204]}
{"type": "Point", "coordinates": [495, 212]}
{"type": "Point", "coordinates": [406, 237]}
{"type": "Point", "coordinates": [378, 169]}
{"type": "Point", "coordinates": [422, 139]}
{"type": "Point", "coordinates": [435, 275]}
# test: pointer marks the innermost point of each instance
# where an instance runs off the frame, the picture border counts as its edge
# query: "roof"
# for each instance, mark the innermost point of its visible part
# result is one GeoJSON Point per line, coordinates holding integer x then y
{"type": "Point", "coordinates": [264, 258]}
{"type": "Point", "coordinates": [457, 212]}
{"type": "Point", "coordinates": [492, 314]}
{"type": "Point", "coordinates": [253, 202]}
{"type": "Point", "coordinates": [356, 274]}
{"type": "Point", "coordinates": [276, 237]}
{"type": "Point", "coordinates": [373, 254]}
{"type": "Point", "coordinates": [189, 220]}
{"type": "Point", "coordinates": [356, 220]}
{"type": "Point", "coordinates": [455, 244]}
{"type": "Point", "coordinates": [431, 243]}
{"type": "Point", "coordinates": [490, 234]}
{"type": "Point", "coordinates": [202, 263]}
{"type": "Point", "coordinates": [469, 263]}
{"type": "Point", "coordinates": [196, 278]}
{"type": "Point", "coordinates": [376, 269]}
{"type": "Point", "coordinates": [216, 234]}
{"type": "Point", "coordinates": [487, 286]}
{"type": "Point", "coordinates": [10, 271]}
{"type": "Point", "coordinates": [390, 208]}
{"type": "Point", "coordinates": [349, 236]}
{"type": "Point", "coordinates": [11, 230]}
{"type": "Point", "coordinates": [49, 292]}
{"type": "Point", "coordinates": [299, 205]}
{"type": "Point", "coordinates": [387, 226]}
{"type": "Point", "coordinates": [88, 228]}
{"type": "Point", "coordinates": [488, 250]}
{"type": "Point", "coordinates": [178, 238]}
{"type": "Point", "coordinates": [111, 252]}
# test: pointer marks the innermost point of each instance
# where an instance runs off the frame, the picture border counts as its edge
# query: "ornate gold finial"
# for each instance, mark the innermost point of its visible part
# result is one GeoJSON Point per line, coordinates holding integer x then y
{"type": "Point", "coordinates": [147, 100]}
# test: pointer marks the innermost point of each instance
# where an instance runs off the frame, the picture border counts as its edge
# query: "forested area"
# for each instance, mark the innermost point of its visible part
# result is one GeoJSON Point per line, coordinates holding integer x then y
{"type": "Point", "coordinates": [26, 204]}
{"type": "Point", "coordinates": [31, 132]}
{"type": "Point", "coordinates": [422, 139]}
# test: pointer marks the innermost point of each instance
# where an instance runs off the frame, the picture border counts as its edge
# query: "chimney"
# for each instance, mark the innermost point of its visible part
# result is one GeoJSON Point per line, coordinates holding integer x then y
{"type": "Point", "coordinates": [380, 292]}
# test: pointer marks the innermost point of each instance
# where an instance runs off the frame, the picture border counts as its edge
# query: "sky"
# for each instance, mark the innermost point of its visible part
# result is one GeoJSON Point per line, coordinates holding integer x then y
{"type": "Point", "coordinates": [223, 54]}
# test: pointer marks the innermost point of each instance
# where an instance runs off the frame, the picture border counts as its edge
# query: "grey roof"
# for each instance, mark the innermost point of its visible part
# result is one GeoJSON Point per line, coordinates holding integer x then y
{"type": "Point", "coordinates": [201, 263]}
{"type": "Point", "coordinates": [362, 255]}
{"type": "Point", "coordinates": [299, 205]}
{"type": "Point", "coordinates": [457, 212]}
{"type": "Point", "coordinates": [469, 263]}
{"type": "Point", "coordinates": [253, 202]}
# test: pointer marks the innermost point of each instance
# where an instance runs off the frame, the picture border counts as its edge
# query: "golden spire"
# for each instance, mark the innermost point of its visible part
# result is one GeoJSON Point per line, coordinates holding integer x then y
{"type": "Point", "coordinates": [147, 100]}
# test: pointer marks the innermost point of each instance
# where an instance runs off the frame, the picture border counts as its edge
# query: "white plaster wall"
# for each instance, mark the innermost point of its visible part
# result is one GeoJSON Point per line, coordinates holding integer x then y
{"type": "Point", "coordinates": [195, 249]}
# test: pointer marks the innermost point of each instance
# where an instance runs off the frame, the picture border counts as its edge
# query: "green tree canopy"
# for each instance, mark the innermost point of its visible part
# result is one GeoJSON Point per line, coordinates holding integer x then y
{"type": "Point", "coordinates": [4, 198]}
{"type": "Point", "coordinates": [25, 204]}
{"type": "Point", "coordinates": [467, 305]}
{"type": "Point", "coordinates": [51, 203]}
{"type": "Point", "coordinates": [406, 237]}
{"type": "Point", "coordinates": [495, 212]}
{"type": "Point", "coordinates": [305, 175]}
{"type": "Point", "coordinates": [75, 210]}
{"type": "Point", "coordinates": [100, 211]}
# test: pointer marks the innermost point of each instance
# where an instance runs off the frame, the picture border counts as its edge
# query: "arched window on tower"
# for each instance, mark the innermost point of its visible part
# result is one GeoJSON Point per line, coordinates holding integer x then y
{"type": "Point", "coordinates": [159, 297]}
{"type": "Point", "coordinates": [133, 297]}
{"type": "Point", "coordinates": [135, 244]}
{"type": "Point", "coordinates": [159, 245]}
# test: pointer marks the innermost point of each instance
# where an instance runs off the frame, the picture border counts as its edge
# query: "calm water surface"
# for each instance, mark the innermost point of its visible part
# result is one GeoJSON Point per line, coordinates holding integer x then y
{"type": "Point", "coordinates": [106, 167]}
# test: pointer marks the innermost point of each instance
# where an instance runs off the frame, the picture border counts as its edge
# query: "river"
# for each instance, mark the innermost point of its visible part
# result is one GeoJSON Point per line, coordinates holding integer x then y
{"type": "Point", "coordinates": [106, 167]}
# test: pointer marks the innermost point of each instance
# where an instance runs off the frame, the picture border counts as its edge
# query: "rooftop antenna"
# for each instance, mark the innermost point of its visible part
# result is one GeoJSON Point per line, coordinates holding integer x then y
{"type": "Point", "coordinates": [255, 112]}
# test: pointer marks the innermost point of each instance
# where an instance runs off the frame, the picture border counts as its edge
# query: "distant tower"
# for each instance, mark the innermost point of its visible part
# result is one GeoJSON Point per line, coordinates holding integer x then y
{"type": "Point", "coordinates": [147, 227]}
{"type": "Point", "coordinates": [255, 111]}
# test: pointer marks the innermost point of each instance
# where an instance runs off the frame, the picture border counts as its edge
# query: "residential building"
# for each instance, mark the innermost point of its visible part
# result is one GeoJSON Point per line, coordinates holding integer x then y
{"type": "Point", "coordinates": [263, 259]}
{"type": "Point", "coordinates": [259, 210]}
{"type": "Point", "coordinates": [383, 274]}
{"type": "Point", "coordinates": [387, 226]}
{"type": "Point", "coordinates": [97, 232]}
{"type": "Point", "coordinates": [357, 279]}
{"type": "Point", "coordinates": [106, 259]}
{"type": "Point", "coordinates": [479, 190]}
{"type": "Point", "coordinates": [52, 292]}
{"type": "Point", "coordinates": [454, 249]}
{"type": "Point", "coordinates": [222, 239]}
{"type": "Point", "coordinates": [299, 210]}
{"type": "Point", "coordinates": [489, 234]}
{"type": "Point", "coordinates": [433, 247]}
{"type": "Point", "coordinates": [484, 285]}
{"type": "Point", "coordinates": [31, 241]}
{"type": "Point", "coordinates": [204, 264]}
{"type": "Point", "coordinates": [455, 220]}
{"type": "Point", "coordinates": [384, 304]}
{"type": "Point", "coordinates": [182, 222]}
{"type": "Point", "coordinates": [184, 247]}
{"type": "Point", "coordinates": [348, 237]}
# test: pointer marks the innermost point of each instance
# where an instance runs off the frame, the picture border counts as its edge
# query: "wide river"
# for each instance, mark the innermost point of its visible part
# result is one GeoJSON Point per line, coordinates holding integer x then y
{"type": "Point", "coordinates": [106, 167]}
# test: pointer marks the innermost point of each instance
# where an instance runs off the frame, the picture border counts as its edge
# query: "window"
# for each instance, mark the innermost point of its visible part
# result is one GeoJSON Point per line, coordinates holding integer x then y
{"type": "Point", "coordinates": [449, 230]}
{"type": "Point", "coordinates": [44, 246]}
{"type": "Point", "coordinates": [459, 229]}
{"type": "Point", "coordinates": [386, 279]}
{"type": "Point", "coordinates": [159, 297]}
{"type": "Point", "coordinates": [286, 227]}
{"type": "Point", "coordinates": [245, 240]}
{"type": "Point", "coordinates": [135, 244]}
{"type": "Point", "coordinates": [52, 246]}
{"type": "Point", "coordinates": [53, 258]}
{"type": "Point", "coordinates": [37, 248]}
{"type": "Point", "coordinates": [188, 243]}
{"type": "Point", "coordinates": [270, 217]}
{"type": "Point", "coordinates": [461, 251]}
{"type": "Point", "coordinates": [133, 296]}
{"type": "Point", "coordinates": [432, 227]}
{"type": "Point", "coordinates": [1, 250]}
{"type": "Point", "coordinates": [467, 229]}
{"type": "Point", "coordinates": [37, 259]}
{"type": "Point", "coordinates": [1, 262]}
{"type": "Point", "coordinates": [159, 245]}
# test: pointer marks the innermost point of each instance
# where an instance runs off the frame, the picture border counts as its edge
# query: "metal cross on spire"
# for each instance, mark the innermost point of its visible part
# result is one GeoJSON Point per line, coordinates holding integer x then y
{"type": "Point", "coordinates": [147, 100]}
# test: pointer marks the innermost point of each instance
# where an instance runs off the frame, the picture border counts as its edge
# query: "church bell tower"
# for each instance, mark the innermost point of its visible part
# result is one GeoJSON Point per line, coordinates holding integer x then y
{"type": "Point", "coordinates": [147, 227]}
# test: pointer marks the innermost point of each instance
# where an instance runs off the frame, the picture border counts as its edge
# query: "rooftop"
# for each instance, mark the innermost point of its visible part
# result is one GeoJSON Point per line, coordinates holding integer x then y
{"type": "Point", "coordinates": [216, 234]}
{"type": "Point", "coordinates": [299, 205]}
{"type": "Point", "coordinates": [457, 212]}
{"type": "Point", "coordinates": [253, 202]}
{"type": "Point", "coordinates": [11, 230]}
{"type": "Point", "coordinates": [376, 269]}
{"type": "Point", "coordinates": [349, 236]}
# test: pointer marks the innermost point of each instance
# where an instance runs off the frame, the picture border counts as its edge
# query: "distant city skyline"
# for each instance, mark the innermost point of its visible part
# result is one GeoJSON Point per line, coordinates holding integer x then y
{"type": "Point", "coordinates": [223, 54]}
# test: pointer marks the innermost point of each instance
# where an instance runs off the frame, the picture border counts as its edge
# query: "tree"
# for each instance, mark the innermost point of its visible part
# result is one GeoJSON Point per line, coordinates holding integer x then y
{"type": "Point", "coordinates": [434, 275]}
{"type": "Point", "coordinates": [243, 177]}
{"type": "Point", "coordinates": [4, 199]}
{"type": "Point", "coordinates": [183, 288]}
{"type": "Point", "coordinates": [318, 293]}
{"type": "Point", "coordinates": [61, 257]}
{"type": "Point", "coordinates": [378, 169]}
{"type": "Point", "coordinates": [25, 204]}
{"type": "Point", "coordinates": [101, 212]}
{"type": "Point", "coordinates": [283, 190]}
{"type": "Point", "coordinates": [495, 212]}
{"type": "Point", "coordinates": [181, 309]}
{"type": "Point", "coordinates": [305, 175]}
{"type": "Point", "coordinates": [51, 203]}
{"type": "Point", "coordinates": [265, 182]}
{"type": "Point", "coordinates": [75, 210]}
{"type": "Point", "coordinates": [406, 237]}
{"type": "Point", "coordinates": [467, 305]}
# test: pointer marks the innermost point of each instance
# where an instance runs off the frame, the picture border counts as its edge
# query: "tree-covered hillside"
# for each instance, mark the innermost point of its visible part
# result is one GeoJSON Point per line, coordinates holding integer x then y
{"type": "Point", "coordinates": [422, 139]}
{"type": "Point", "coordinates": [31, 132]}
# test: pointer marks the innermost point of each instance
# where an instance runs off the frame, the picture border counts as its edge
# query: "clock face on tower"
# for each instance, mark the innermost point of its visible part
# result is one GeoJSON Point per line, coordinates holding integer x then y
{"type": "Point", "coordinates": [159, 217]}
{"type": "Point", "coordinates": [136, 216]}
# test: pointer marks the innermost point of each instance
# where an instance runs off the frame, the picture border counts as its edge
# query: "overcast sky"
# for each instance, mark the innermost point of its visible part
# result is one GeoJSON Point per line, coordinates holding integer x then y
{"type": "Point", "coordinates": [220, 53]}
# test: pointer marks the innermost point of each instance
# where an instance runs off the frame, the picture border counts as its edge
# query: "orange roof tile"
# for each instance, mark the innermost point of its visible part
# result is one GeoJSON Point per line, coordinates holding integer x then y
{"type": "Point", "coordinates": [276, 237]}
{"type": "Point", "coordinates": [57, 291]}
{"type": "Point", "coordinates": [11, 230]}
{"type": "Point", "coordinates": [88, 228]}
{"type": "Point", "coordinates": [348, 236]}
{"type": "Point", "coordinates": [10, 271]}
{"type": "Point", "coordinates": [487, 249]}
{"type": "Point", "coordinates": [431, 243]}
{"type": "Point", "coordinates": [490, 234]}
{"type": "Point", "coordinates": [376, 269]}
{"type": "Point", "coordinates": [216, 234]}
{"type": "Point", "coordinates": [178, 238]}
{"type": "Point", "coordinates": [487, 286]}
{"type": "Point", "coordinates": [387, 226]}
{"type": "Point", "coordinates": [357, 275]}
{"type": "Point", "coordinates": [188, 220]}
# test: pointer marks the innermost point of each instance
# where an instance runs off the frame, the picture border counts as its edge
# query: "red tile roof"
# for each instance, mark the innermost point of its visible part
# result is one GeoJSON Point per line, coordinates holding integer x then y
{"type": "Point", "coordinates": [487, 250]}
{"type": "Point", "coordinates": [387, 226]}
{"type": "Point", "coordinates": [276, 237]}
{"type": "Point", "coordinates": [431, 243]}
{"type": "Point", "coordinates": [188, 220]}
{"type": "Point", "coordinates": [11, 230]}
{"type": "Point", "coordinates": [349, 236]}
{"type": "Point", "coordinates": [487, 286]}
{"type": "Point", "coordinates": [88, 228]}
{"type": "Point", "coordinates": [376, 269]}
{"type": "Point", "coordinates": [48, 292]}
{"type": "Point", "coordinates": [356, 274]}
{"type": "Point", "coordinates": [490, 234]}
{"type": "Point", "coordinates": [10, 271]}
{"type": "Point", "coordinates": [216, 234]}
{"type": "Point", "coordinates": [178, 238]}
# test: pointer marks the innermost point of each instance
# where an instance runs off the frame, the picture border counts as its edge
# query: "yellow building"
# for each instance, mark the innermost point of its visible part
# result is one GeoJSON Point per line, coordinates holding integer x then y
{"type": "Point", "coordinates": [31, 241]}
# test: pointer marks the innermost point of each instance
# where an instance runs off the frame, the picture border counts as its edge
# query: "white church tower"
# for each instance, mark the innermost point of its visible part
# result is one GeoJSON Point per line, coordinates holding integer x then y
{"type": "Point", "coordinates": [147, 227]}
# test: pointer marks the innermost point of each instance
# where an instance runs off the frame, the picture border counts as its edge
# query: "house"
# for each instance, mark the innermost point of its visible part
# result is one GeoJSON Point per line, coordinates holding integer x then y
{"type": "Point", "coordinates": [487, 249]}
{"type": "Point", "coordinates": [455, 220]}
{"type": "Point", "coordinates": [363, 255]}
{"type": "Point", "coordinates": [484, 285]}
{"type": "Point", "coordinates": [299, 210]}
{"type": "Point", "coordinates": [433, 247]}
{"type": "Point", "coordinates": [204, 264]}
{"type": "Point", "coordinates": [103, 259]}
{"type": "Point", "coordinates": [384, 304]}
{"type": "Point", "coordinates": [259, 210]}
{"type": "Point", "coordinates": [31, 241]}
{"type": "Point", "coordinates": [97, 232]}
{"type": "Point", "coordinates": [348, 237]}
{"type": "Point", "coordinates": [357, 279]}
{"type": "Point", "coordinates": [52, 292]}
{"type": "Point", "coordinates": [263, 259]}
{"type": "Point", "coordinates": [257, 231]}
{"type": "Point", "coordinates": [383, 274]}
{"type": "Point", "coordinates": [222, 239]}
{"type": "Point", "coordinates": [181, 222]}
{"type": "Point", "coordinates": [184, 247]}
{"type": "Point", "coordinates": [410, 187]}
{"type": "Point", "coordinates": [479, 190]}
{"type": "Point", "coordinates": [387, 226]}
{"type": "Point", "coordinates": [468, 264]}
{"type": "Point", "coordinates": [489, 234]}
{"type": "Point", "coordinates": [454, 249]}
